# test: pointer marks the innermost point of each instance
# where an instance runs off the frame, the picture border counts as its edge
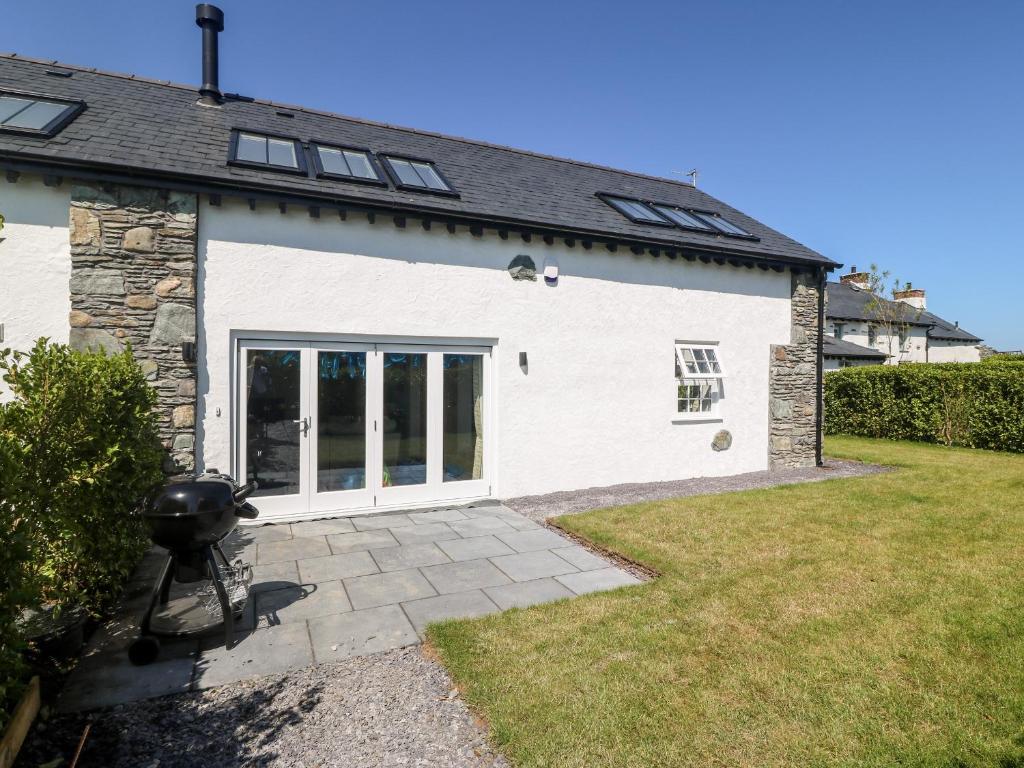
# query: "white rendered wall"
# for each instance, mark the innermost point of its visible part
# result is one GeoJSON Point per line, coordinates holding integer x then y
{"type": "Point", "coordinates": [597, 405]}
{"type": "Point", "coordinates": [917, 349]}
{"type": "Point", "coordinates": [856, 332]}
{"type": "Point", "coordinates": [941, 351]}
{"type": "Point", "coordinates": [35, 264]}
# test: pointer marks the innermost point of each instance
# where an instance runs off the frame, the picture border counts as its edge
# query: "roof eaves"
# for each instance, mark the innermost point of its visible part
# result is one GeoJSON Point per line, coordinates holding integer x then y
{"type": "Point", "coordinates": [247, 188]}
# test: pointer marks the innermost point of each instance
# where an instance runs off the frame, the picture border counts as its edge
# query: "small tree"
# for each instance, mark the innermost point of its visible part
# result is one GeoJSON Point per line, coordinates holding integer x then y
{"type": "Point", "coordinates": [887, 313]}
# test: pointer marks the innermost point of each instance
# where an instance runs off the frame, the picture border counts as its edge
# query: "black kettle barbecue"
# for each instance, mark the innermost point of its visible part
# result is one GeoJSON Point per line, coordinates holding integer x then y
{"type": "Point", "coordinates": [190, 517]}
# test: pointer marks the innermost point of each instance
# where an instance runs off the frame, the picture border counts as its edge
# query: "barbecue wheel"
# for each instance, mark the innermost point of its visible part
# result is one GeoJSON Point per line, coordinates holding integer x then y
{"type": "Point", "coordinates": [144, 650]}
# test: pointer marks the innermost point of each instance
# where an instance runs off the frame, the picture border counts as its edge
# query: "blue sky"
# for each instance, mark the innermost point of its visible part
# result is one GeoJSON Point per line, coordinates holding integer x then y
{"type": "Point", "coordinates": [885, 132]}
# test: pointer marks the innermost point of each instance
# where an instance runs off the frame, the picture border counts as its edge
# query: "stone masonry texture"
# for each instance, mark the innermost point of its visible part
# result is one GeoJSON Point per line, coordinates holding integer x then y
{"type": "Point", "coordinates": [793, 382]}
{"type": "Point", "coordinates": [133, 276]}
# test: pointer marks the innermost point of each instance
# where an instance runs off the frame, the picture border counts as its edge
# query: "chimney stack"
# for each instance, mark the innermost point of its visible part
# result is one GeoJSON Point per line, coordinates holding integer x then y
{"type": "Point", "coordinates": [912, 296]}
{"type": "Point", "coordinates": [211, 19]}
{"type": "Point", "coordinates": [857, 279]}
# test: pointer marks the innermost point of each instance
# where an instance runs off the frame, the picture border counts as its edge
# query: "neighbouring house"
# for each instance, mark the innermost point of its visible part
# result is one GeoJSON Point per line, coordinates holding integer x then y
{"type": "Point", "coordinates": [861, 329]}
{"type": "Point", "coordinates": [362, 316]}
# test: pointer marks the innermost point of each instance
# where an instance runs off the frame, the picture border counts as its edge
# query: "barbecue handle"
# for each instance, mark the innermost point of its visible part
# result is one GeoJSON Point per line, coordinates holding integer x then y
{"type": "Point", "coordinates": [247, 510]}
{"type": "Point", "coordinates": [245, 491]}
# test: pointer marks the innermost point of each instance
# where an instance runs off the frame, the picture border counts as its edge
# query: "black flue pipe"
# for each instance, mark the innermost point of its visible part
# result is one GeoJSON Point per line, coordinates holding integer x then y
{"type": "Point", "coordinates": [211, 19]}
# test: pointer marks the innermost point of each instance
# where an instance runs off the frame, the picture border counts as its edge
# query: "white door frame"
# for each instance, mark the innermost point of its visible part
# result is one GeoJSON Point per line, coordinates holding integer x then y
{"type": "Point", "coordinates": [372, 498]}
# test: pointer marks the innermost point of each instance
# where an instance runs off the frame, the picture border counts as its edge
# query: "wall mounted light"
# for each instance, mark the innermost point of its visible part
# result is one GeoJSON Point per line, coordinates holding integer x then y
{"type": "Point", "coordinates": [188, 351]}
{"type": "Point", "coordinates": [523, 362]}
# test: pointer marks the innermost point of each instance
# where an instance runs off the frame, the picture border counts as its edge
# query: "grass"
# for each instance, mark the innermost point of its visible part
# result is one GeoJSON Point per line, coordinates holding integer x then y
{"type": "Point", "coordinates": [874, 621]}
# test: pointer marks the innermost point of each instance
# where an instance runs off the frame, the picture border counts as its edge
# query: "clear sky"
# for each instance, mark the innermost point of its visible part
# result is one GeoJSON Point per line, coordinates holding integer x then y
{"type": "Point", "coordinates": [874, 132]}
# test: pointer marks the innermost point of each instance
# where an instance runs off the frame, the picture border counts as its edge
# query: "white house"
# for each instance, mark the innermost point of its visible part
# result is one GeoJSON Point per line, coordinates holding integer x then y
{"type": "Point", "coordinates": [862, 329]}
{"type": "Point", "coordinates": [363, 317]}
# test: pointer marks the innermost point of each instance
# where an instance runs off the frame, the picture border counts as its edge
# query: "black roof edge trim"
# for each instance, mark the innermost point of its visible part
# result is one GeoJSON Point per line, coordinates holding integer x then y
{"type": "Point", "coordinates": [183, 183]}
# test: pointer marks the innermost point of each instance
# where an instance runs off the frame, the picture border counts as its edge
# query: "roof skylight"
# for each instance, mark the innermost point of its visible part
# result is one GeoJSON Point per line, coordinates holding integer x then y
{"type": "Point", "coordinates": [643, 212]}
{"type": "Point", "coordinates": [682, 218]}
{"type": "Point", "coordinates": [31, 114]}
{"type": "Point", "coordinates": [723, 225]}
{"type": "Point", "coordinates": [258, 150]}
{"type": "Point", "coordinates": [408, 173]}
{"type": "Point", "coordinates": [636, 211]}
{"type": "Point", "coordinates": [353, 164]}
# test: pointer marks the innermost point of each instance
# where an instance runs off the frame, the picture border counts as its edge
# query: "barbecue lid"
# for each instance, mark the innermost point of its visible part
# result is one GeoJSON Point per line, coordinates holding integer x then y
{"type": "Point", "coordinates": [192, 494]}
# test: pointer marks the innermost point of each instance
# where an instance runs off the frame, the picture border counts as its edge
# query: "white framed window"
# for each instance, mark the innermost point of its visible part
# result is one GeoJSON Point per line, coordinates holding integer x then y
{"type": "Point", "coordinates": [699, 380]}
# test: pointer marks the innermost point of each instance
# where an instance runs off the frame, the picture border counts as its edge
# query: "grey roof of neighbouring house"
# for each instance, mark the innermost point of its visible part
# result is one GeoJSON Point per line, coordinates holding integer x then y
{"type": "Point", "coordinates": [833, 347]}
{"type": "Point", "coordinates": [154, 130]}
{"type": "Point", "coordinates": [847, 302]}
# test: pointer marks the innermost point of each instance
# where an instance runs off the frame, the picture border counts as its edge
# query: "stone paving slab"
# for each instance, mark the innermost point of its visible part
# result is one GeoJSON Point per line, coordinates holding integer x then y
{"type": "Point", "coordinates": [335, 588]}
{"type": "Point", "coordinates": [527, 566]}
{"type": "Point", "coordinates": [526, 593]}
{"type": "Point", "coordinates": [458, 605]}
{"type": "Point", "coordinates": [333, 567]}
{"type": "Point", "coordinates": [387, 588]}
{"type": "Point", "coordinates": [361, 632]}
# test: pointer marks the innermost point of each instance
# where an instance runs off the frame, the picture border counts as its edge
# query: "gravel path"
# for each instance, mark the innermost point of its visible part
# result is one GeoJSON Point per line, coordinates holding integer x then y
{"type": "Point", "coordinates": [540, 508]}
{"type": "Point", "coordinates": [393, 709]}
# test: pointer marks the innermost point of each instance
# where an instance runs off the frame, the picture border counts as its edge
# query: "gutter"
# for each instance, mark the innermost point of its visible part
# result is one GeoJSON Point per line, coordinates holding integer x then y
{"type": "Point", "coordinates": [819, 411]}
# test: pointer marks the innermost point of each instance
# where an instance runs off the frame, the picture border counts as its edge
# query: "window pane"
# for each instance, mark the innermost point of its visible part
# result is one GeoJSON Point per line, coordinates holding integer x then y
{"type": "Point", "coordinates": [429, 176]}
{"type": "Point", "coordinates": [359, 165]}
{"type": "Point", "coordinates": [691, 367]}
{"type": "Point", "coordinates": [9, 105]}
{"type": "Point", "coordinates": [682, 217]}
{"type": "Point", "coordinates": [272, 447]}
{"type": "Point", "coordinates": [251, 148]}
{"type": "Point", "coordinates": [36, 116]}
{"type": "Point", "coordinates": [341, 421]}
{"type": "Point", "coordinates": [463, 417]}
{"type": "Point", "coordinates": [405, 419]}
{"type": "Point", "coordinates": [281, 153]}
{"type": "Point", "coordinates": [405, 173]}
{"type": "Point", "coordinates": [722, 225]}
{"type": "Point", "coordinates": [333, 161]}
{"type": "Point", "coordinates": [635, 209]}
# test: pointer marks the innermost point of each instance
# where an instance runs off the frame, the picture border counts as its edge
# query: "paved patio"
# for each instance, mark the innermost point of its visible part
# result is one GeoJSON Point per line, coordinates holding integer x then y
{"type": "Point", "coordinates": [328, 590]}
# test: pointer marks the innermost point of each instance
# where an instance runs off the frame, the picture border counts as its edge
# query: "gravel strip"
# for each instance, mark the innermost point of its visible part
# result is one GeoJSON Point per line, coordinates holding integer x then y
{"type": "Point", "coordinates": [392, 709]}
{"type": "Point", "coordinates": [540, 508]}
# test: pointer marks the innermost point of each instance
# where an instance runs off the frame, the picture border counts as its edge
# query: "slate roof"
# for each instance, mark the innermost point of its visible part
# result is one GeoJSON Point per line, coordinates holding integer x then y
{"type": "Point", "coordinates": [846, 302]}
{"type": "Point", "coordinates": [155, 130]}
{"type": "Point", "coordinates": [833, 347]}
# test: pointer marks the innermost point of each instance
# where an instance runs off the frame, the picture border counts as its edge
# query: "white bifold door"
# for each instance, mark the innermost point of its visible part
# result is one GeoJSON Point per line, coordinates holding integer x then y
{"type": "Point", "coordinates": [327, 427]}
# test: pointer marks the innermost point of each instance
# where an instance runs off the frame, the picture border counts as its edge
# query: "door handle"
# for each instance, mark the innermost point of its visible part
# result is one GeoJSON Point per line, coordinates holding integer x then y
{"type": "Point", "coordinates": [304, 421]}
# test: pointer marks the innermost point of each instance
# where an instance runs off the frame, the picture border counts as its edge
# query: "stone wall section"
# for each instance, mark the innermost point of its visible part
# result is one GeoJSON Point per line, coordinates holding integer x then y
{"type": "Point", "coordinates": [793, 382]}
{"type": "Point", "coordinates": [133, 277]}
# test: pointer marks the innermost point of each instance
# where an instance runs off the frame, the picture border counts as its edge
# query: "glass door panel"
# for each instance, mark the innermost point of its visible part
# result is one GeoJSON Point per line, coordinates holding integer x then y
{"type": "Point", "coordinates": [273, 412]}
{"type": "Point", "coordinates": [404, 424]}
{"type": "Point", "coordinates": [341, 429]}
{"type": "Point", "coordinates": [463, 441]}
{"type": "Point", "coordinates": [273, 404]}
{"type": "Point", "coordinates": [341, 421]}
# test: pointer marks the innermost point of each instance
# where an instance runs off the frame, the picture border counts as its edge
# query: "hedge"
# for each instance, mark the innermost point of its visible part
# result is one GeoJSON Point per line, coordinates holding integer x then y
{"type": "Point", "coordinates": [966, 404]}
{"type": "Point", "coordinates": [78, 448]}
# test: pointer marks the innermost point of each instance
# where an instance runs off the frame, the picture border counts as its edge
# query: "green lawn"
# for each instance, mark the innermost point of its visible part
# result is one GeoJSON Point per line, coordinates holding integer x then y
{"type": "Point", "coordinates": [871, 621]}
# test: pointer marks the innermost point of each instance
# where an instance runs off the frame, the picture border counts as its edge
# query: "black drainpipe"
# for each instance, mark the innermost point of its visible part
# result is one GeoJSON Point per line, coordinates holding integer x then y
{"type": "Point", "coordinates": [819, 368]}
{"type": "Point", "coordinates": [211, 19]}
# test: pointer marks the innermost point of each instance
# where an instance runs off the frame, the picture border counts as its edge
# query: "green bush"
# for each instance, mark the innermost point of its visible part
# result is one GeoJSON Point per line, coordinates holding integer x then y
{"type": "Point", "coordinates": [15, 589]}
{"type": "Point", "coordinates": [83, 436]}
{"type": "Point", "coordinates": [966, 404]}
